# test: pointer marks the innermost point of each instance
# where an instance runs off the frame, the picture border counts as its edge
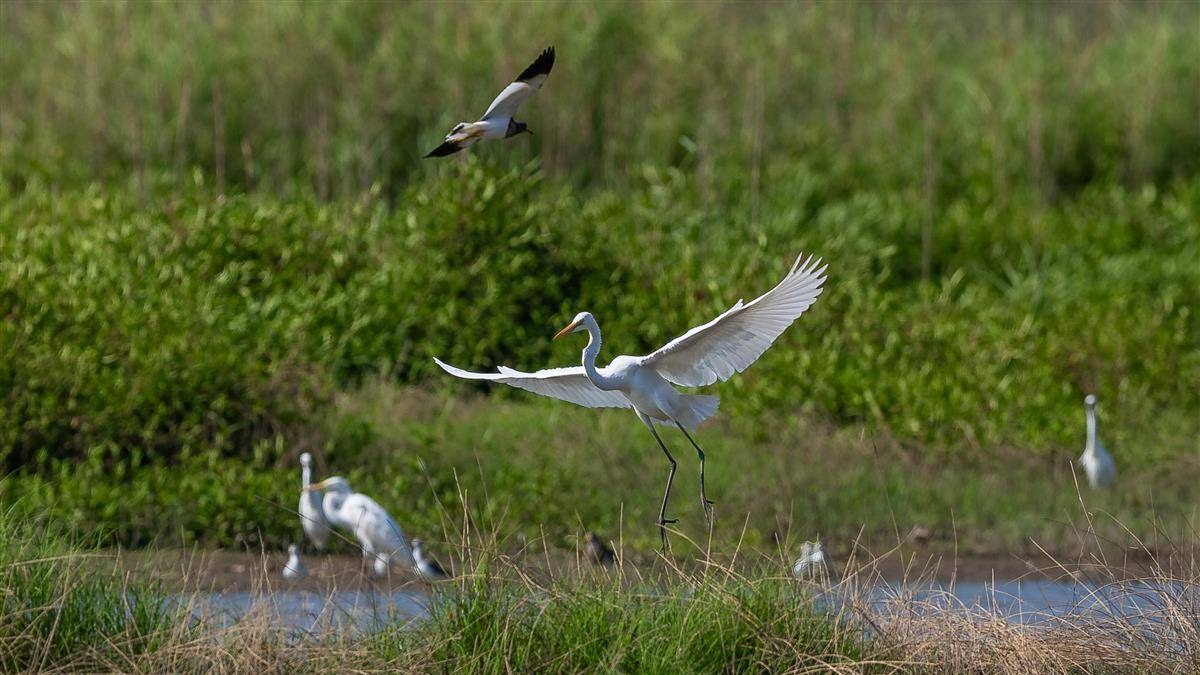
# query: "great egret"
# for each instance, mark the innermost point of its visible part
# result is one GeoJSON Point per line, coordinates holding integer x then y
{"type": "Point", "coordinates": [714, 351]}
{"type": "Point", "coordinates": [498, 121]}
{"type": "Point", "coordinates": [380, 538]}
{"type": "Point", "coordinates": [426, 566]}
{"type": "Point", "coordinates": [812, 561]}
{"type": "Point", "coordinates": [1095, 460]}
{"type": "Point", "coordinates": [294, 568]}
{"type": "Point", "coordinates": [312, 515]}
{"type": "Point", "coordinates": [596, 551]}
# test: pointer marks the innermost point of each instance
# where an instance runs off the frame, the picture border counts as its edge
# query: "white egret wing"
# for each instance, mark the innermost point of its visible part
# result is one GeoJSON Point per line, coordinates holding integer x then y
{"type": "Point", "coordinates": [731, 342]}
{"type": "Point", "coordinates": [530, 80]}
{"type": "Point", "coordinates": [566, 384]}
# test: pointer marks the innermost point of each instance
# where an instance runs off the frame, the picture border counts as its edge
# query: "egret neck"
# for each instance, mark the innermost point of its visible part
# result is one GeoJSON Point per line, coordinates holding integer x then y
{"type": "Point", "coordinates": [1091, 430]}
{"type": "Point", "coordinates": [590, 352]}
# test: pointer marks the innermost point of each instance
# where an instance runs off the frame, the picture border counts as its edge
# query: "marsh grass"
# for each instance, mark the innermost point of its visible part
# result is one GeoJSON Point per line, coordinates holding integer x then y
{"type": "Point", "coordinates": [518, 606]}
{"type": "Point", "coordinates": [546, 469]}
{"type": "Point", "coordinates": [55, 613]}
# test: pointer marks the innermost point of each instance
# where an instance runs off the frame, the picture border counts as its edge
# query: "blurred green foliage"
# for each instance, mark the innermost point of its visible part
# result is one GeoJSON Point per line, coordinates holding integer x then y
{"type": "Point", "coordinates": [214, 218]}
{"type": "Point", "coordinates": [981, 100]}
{"type": "Point", "coordinates": [191, 322]}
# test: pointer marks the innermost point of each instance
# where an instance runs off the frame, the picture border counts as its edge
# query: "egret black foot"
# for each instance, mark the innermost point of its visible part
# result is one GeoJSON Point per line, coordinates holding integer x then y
{"type": "Point", "coordinates": [662, 530]}
{"type": "Point", "coordinates": [707, 505]}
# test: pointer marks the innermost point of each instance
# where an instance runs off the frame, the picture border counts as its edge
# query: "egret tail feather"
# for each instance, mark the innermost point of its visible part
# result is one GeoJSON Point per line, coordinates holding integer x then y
{"type": "Point", "coordinates": [695, 408]}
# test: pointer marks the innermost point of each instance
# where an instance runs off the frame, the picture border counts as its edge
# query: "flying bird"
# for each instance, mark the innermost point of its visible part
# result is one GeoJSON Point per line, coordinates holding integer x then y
{"type": "Point", "coordinates": [1096, 462]}
{"type": "Point", "coordinates": [381, 539]}
{"type": "Point", "coordinates": [426, 565]}
{"type": "Point", "coordinates": [498, 121]}
{"type": "Point", "coordinates": [312, 515]}
{"type": "Point", "coordinates": [714, 351]}
{"type": "Point", "coordinates": [812, 561]}
{"type": "Point", "coordinates": [294, 568]}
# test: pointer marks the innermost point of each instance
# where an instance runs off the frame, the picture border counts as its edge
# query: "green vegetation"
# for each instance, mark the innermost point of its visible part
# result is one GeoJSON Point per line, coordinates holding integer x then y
{"type": "Point", "coordinates": [55, 610]}
{"type": "Point", "coordinates": [218, 244]}
{"type": "Point", "coordinates": [542, 468]}
{"type": "Point", "coordinates": [729, 625]}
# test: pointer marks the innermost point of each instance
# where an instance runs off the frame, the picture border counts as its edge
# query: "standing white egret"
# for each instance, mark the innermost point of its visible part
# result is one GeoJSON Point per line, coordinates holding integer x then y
{"type": "Point", "coordinates": [381, 539]}
{"type": "Point", "coordinates": [812, 561]}
{"type": "Point", "coordinates": [294, 568]}
{"type": "Point", "coordinates": [714, 351]}
{"type": "Point", "coordinates": [425, 564]}
{"type": "Point", "coordinates": [1096, 462]}
{"type": "Point", "coordinates": [312, 515]}
{"type": "Point", "coordinates": [498, 121]}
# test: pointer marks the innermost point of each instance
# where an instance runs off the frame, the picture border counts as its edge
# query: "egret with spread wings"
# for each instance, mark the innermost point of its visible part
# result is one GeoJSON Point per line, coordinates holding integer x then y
{"type": "Point", "coordinates": [498, 121]}
{"type": "Point", "coordinates": [715, 351]}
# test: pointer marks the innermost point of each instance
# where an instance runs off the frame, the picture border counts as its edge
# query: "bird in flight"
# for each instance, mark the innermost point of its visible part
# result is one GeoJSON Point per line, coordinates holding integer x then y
{"type": "Point", "coordinates": [498, 121]}
{"type": "Point", "coordinates": [714, 351]}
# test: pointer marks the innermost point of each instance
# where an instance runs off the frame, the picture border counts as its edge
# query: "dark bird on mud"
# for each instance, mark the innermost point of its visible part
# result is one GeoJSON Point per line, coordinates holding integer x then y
{"type": "Point", "coordinates": [596, 551]}
{"type": "Point", "coordinates": [426, 565]}
{"type": "Point", "coordinates": [498, 121]}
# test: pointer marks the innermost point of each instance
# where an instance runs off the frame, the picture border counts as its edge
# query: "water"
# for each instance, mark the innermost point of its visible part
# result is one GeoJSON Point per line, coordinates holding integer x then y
{"type": "Point", "coordinates": [1032, 601]}
{"type": "Point", "coordinates": [1027, 602]}
{"type": "Point", "coordinates": [309, 611]}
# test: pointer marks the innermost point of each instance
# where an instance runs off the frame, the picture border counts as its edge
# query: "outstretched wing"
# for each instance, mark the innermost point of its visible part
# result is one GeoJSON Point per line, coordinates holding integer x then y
{"type": "Point", "coordinates": [529, 81]}
{"type": "Point", "coordinates": [565, 384]}
{"type": "Point", "coordinates": [731, 342]}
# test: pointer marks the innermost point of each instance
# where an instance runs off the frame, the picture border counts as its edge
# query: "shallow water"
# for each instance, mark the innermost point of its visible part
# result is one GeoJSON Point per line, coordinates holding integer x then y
{"type": "Point", "coordinates": [1028, 602]}
{"type": "Point", "coordinates": [309, 611]}
{"type": "Point", "coordinates": [1032, 601]}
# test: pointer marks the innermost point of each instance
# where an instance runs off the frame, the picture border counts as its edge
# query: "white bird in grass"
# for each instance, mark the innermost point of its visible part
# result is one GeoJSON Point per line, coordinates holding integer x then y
{"type": "Point", "coordinates": [380, 538]}
{"type": "Point", "coordinates": [1095, 460]}
{"type": "Point", "coordinates": [498, 121]}
{"type": "Point", "coordinates": [812, 561]}
{"type": "Point", "coordinates": [294, 568]}
{"type": "Point", "coordinates": [715, 351]}
{"type": "Point", "coordinates": [426, 566]}
{"type": "Point", "coordinates": [312, 514]}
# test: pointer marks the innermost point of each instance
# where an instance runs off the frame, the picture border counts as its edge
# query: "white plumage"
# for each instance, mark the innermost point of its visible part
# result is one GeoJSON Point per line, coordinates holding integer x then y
{"type": "Point", "coordinates": [714, 351]}
{"type": "Point", "coordinates": [294, 568]}
{"type": "Point", "coordinates": [1096, 462]}
{"type": "Point", "coordinates": [312, 514]}
{"type": "Point", "coordinates": [812, 561]}
{"type": "Point", "coordinates": [382, 541]}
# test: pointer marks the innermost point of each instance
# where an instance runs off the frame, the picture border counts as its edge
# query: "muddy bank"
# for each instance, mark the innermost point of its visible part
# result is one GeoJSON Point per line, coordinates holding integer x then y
{"type": "Point", "coordinates": [261, 571]}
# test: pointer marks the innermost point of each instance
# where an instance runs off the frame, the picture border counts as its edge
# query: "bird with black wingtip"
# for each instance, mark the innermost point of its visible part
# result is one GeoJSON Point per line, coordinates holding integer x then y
{"type": "Point", "coordinates": [498, 121]}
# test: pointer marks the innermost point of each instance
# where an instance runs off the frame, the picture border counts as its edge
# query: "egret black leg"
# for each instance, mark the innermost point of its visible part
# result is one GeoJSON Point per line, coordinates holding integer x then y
{"type": "Point", "coordinates": [662, 511]}
{"type": "Point", "coordinates": [705, 502]}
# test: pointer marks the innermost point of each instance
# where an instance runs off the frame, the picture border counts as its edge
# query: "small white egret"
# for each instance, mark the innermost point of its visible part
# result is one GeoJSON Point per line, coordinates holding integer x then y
{"type": "Point", "coordinates": [812, 560]}
{"type": "Point", "coordinates": [596, 551]}
{"type": "Point", "coordinates": [1095, 460]}
{"type": "Point", "coordinates": [498, 121]}
{"type": "Point", "coordinates": [425, 564]}
{"type": "Point", "coordinates": [381, 539]}
{"type": "Point", "coordinates": [714, 351]}
{"type": "Point", "coordinates": [312, 514]}
{"type": "Point", "coordinates": [294, 568]}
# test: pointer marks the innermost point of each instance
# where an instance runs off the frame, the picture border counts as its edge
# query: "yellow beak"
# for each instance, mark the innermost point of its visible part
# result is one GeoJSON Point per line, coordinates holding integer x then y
{"type": "Point", "coordinates": [313, 487]}
{"type": "Point", "coordinates": [570, 327]}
